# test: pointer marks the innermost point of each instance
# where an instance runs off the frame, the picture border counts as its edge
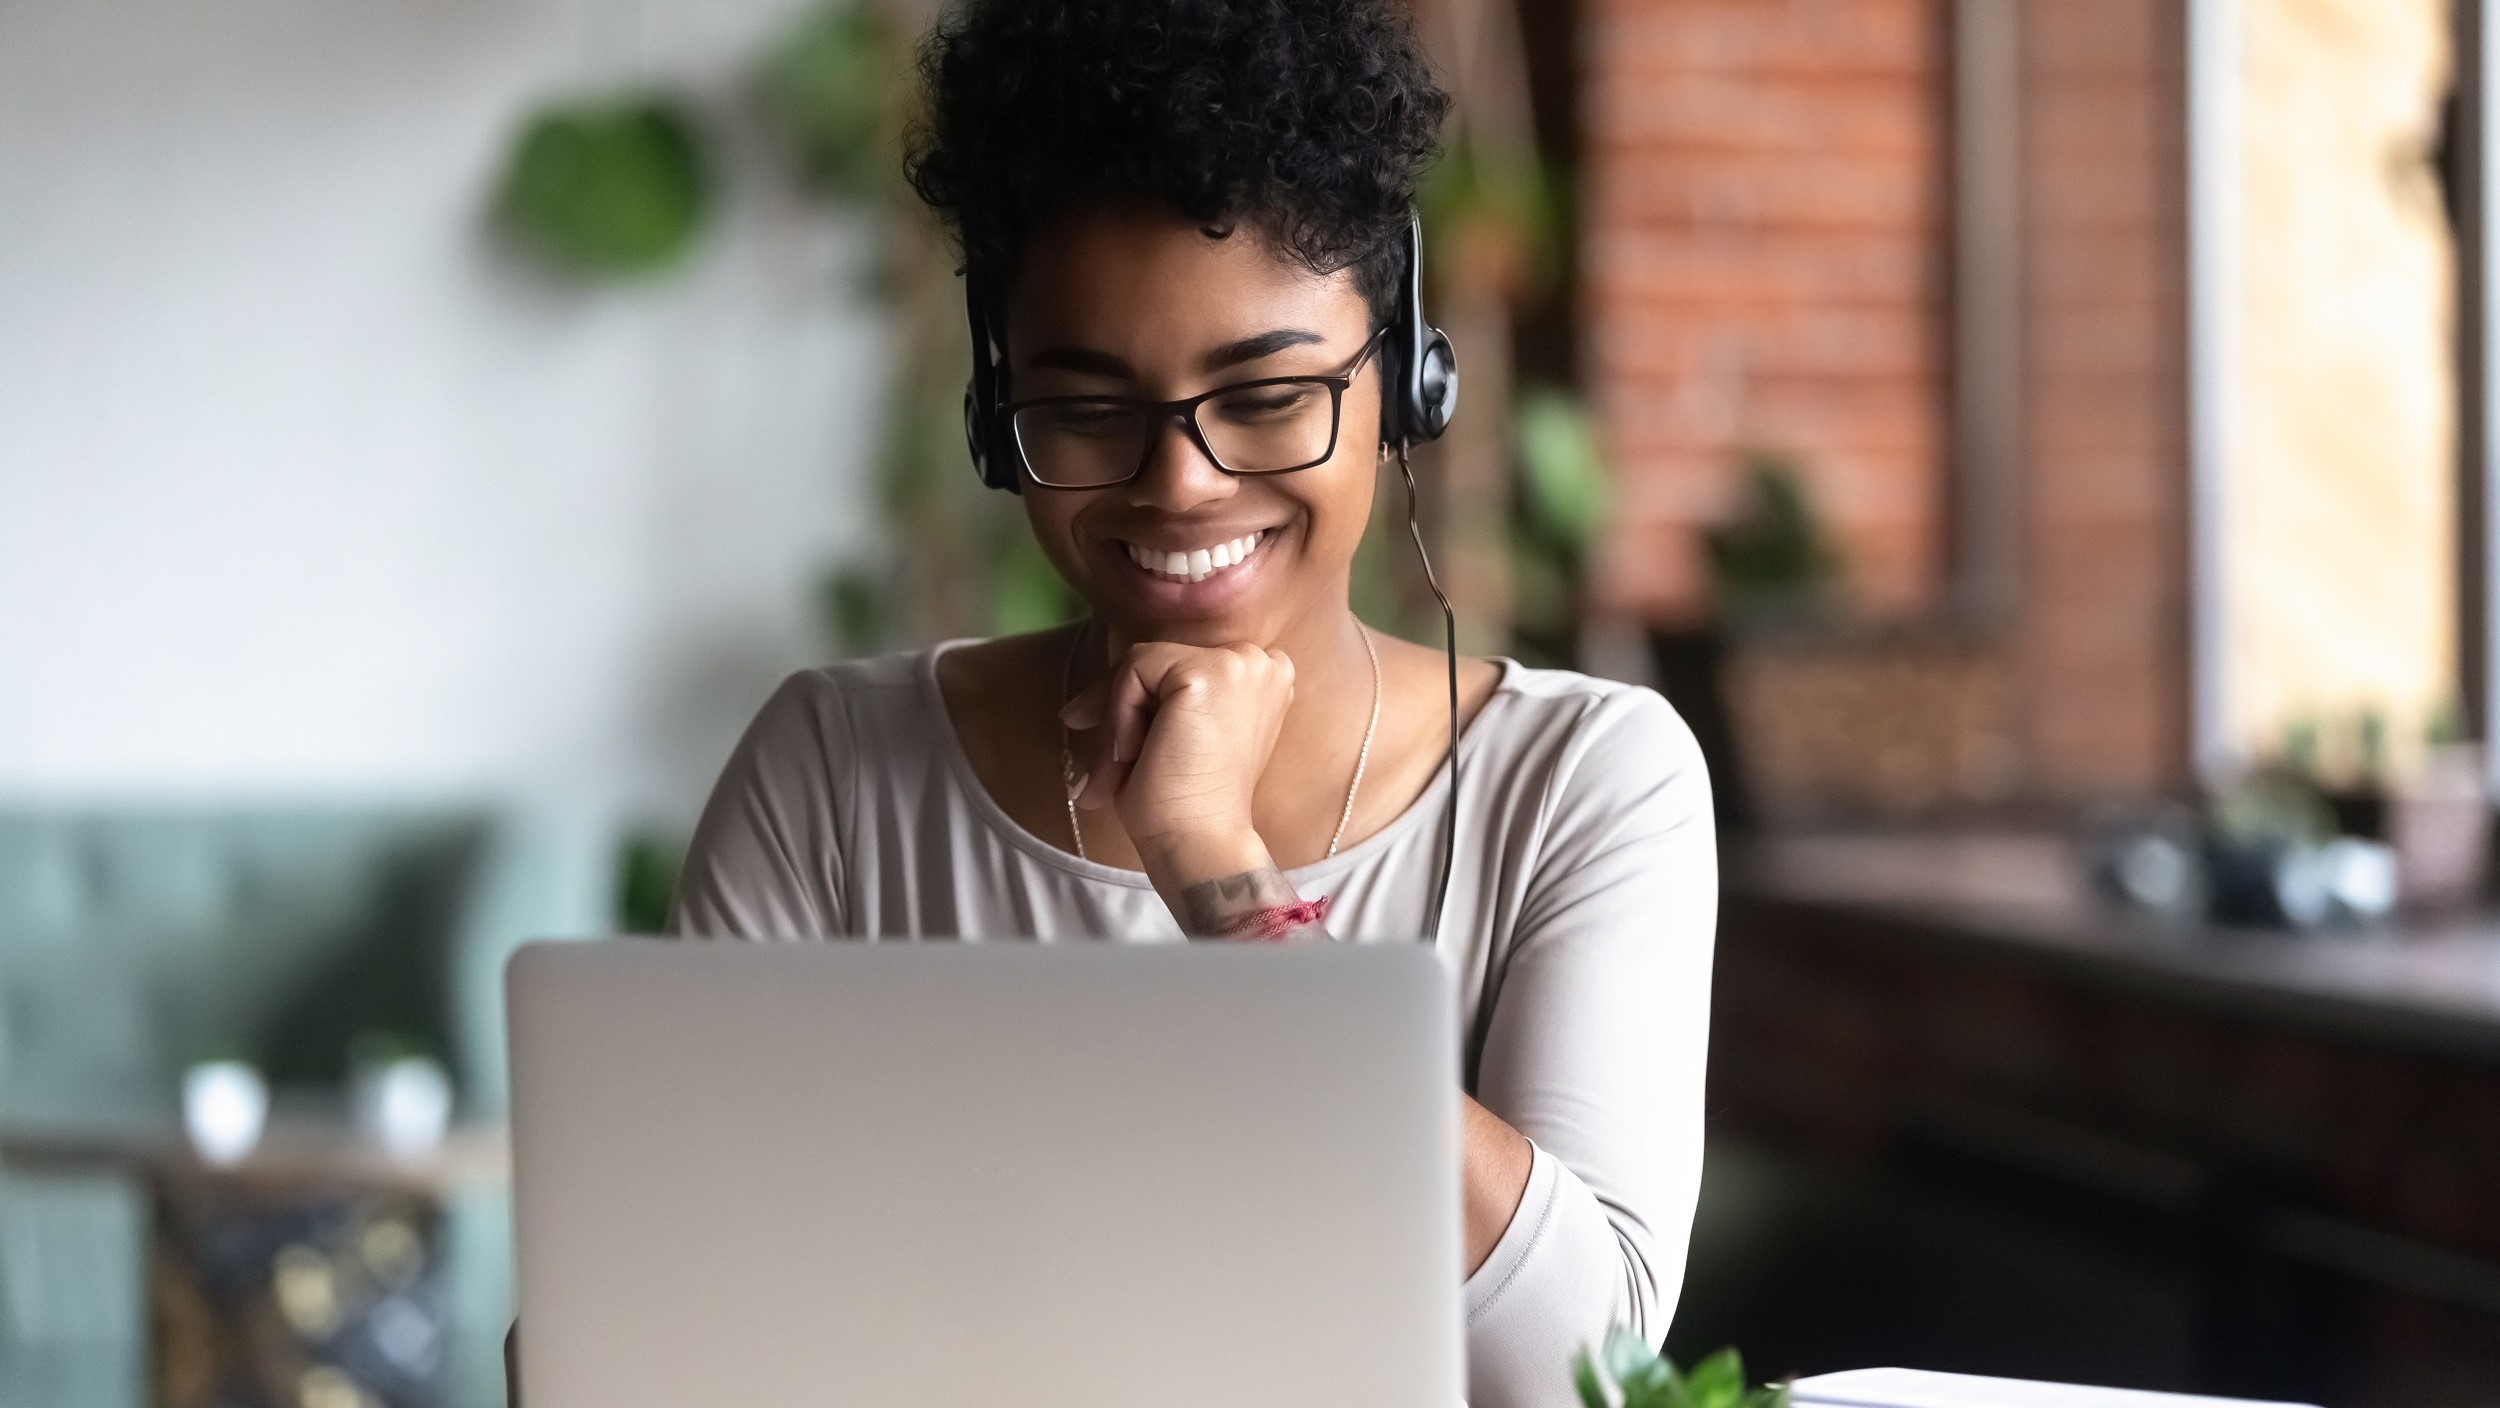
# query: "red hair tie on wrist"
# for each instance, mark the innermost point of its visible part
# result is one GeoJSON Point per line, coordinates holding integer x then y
{"type": "Point", "coordinates": [1277, 921]}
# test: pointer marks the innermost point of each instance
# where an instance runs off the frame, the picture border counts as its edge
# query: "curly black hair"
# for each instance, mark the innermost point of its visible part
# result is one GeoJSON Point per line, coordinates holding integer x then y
{"type": "Point", "coordinates": [1309, 121]}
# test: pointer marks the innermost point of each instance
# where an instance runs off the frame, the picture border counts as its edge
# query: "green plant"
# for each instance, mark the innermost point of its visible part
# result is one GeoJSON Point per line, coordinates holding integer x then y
{"type": "Point", "coordinates": [1502, 193]}
{"type": "Point", "coordinates": [2446, 724]}
{"type": "Point", "coordinates": [607, 186]}
{"type": "Point", "coordinates": [1633, 1375]}
{"type": "Point", "coordinates": [2277, 805]}
{"type": "Point", "coordinates": [1559, 510]}
{"type": "Point", "coordinates": [647, 874]}
{"type": "Point", "coordinates": [2303, 745]}
{"type": "Point", "coordinates": [1773, 556]}
{"type": "Point", "coordinates": [853, 609]}
{"type": "Point", "coordinates": [2371, 726]}
{"type": "Point", "coordinates": [823, 81]}
{"type": "Point", "coordinates": [1561, 469]}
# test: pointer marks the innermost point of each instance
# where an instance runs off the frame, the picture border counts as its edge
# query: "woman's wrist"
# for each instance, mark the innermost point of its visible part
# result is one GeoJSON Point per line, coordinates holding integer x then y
{"type": "Point", "coordinates": [1179, 861]}
{"type": "Point", "coordinates": [1228, 886]}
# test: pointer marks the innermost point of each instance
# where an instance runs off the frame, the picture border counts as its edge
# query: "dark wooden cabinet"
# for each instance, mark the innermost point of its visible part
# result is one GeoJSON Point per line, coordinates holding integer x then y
{"type": "Point", "coordinates": [2298, 1137]}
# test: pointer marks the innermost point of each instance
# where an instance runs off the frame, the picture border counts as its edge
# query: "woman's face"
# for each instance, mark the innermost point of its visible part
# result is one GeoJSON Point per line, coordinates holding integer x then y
{"type": "Point", "coordinates": [1135, 301]}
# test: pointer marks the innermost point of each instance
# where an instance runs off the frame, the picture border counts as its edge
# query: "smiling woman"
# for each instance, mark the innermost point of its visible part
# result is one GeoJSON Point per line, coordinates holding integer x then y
{"type": "Point", "coordinates": [1187, 231]}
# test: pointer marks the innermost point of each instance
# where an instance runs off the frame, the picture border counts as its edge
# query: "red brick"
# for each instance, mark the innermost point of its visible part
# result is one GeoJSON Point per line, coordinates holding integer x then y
{"type": "Point", "coordinates": [1763, 246]}
{"type": "Point", "coordinates": [2102, 638]}
{"type": "Point", "coordinates": [1761, 234]}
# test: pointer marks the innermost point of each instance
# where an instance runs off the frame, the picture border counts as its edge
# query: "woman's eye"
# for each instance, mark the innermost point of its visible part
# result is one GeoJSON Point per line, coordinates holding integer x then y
{"type": "Point", "coordinates": [1083, 419]}
{"type": "Point", "coordinates": [1265, 402]}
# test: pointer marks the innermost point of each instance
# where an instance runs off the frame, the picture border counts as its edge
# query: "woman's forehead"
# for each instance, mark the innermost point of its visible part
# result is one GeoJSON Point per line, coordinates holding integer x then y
{"type": "Point", "coordinates": [1102, 275]}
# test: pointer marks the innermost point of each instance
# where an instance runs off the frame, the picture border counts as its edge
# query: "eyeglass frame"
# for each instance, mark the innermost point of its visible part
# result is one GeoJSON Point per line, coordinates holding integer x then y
{"type": "Point", "coordinates": [1185, 410]}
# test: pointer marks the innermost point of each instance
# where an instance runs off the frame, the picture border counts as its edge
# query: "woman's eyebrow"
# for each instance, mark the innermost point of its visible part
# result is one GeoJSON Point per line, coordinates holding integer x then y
{"type": "Point", "coordinates": [1250, 349]}
{"type": "Point", "coordinates": [1232, 354]}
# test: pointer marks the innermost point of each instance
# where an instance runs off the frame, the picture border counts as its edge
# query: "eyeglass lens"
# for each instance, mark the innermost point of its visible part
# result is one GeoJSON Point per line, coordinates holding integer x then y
{"type": "Point", "coordinates": [1255, 429]}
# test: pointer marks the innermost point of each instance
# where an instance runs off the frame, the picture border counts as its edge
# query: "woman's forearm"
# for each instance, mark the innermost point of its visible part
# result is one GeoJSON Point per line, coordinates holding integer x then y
{"type": "Point", "coordinates": [1496, 1159]}
{"type": "Point", "coordinates": [1240, 880]}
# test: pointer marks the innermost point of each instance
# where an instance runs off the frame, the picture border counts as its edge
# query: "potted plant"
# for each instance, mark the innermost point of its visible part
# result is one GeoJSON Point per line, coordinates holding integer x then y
{"type": "Point", "coordinates": [1629, 1374]}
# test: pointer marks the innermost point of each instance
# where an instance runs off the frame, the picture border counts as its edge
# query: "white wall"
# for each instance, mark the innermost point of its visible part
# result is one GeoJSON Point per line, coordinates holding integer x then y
{"type": "Point", "coordinates": [306, 488]}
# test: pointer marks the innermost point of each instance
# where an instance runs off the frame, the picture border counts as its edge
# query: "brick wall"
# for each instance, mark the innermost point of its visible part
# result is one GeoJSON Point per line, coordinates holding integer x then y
{"type": "Point", "coordinates": [2103, 637]}
{"type": "Point", "coordinates": [1761, 266]}
{"type": "Point", "coordinates": [1764, 263]}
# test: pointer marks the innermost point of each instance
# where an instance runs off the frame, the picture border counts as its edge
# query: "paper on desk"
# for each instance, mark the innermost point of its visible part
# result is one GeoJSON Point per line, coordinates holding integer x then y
{"type": "Point", "coordinates": [1925, 1388]}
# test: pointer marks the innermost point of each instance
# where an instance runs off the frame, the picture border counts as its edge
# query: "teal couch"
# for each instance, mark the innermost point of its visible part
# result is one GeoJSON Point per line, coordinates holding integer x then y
{"type": "Point", "coordinates": [135, 941]}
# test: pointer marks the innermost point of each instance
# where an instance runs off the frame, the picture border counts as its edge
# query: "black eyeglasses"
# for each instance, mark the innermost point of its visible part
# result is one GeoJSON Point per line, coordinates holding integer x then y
{"type": "Point", "coordinates": [1274, 425]}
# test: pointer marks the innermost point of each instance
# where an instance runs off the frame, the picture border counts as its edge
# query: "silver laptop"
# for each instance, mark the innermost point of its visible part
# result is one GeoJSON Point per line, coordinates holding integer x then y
{"type": "Point", "coordinates": [1085, 1174]}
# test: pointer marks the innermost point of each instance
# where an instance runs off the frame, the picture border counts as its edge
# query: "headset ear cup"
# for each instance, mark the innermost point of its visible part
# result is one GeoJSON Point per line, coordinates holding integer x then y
{"type": "Point", "coordinates": [981, 437]}
{"type": "Point", "coordinates": [1435, 387]}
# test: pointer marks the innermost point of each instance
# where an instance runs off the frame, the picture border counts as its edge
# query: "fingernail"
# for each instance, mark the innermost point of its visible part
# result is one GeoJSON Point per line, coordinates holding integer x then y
{"type": "Point", "coordinates": [1076, 785]}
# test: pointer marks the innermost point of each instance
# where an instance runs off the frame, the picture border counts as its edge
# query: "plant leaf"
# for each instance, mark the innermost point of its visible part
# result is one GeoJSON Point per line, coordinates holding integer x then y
{"type": "Point", "coordinates": [824, 82]}
{"type": "Point", "coordinates": [612, 186]}
{"type": "Point", "coordinates": [1564, 470]}
{"type": "Point", "coordinates": [1627, 1355]}
{"type": "Point", "coordinates": [1584, 1378]}
{"type": "Point", "coordinates": [1718, 1381]}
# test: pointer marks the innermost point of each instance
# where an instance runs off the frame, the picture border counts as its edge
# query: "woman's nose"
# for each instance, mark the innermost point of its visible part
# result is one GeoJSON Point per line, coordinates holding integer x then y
{"type": "Point", "coordinates": [1178, 475]}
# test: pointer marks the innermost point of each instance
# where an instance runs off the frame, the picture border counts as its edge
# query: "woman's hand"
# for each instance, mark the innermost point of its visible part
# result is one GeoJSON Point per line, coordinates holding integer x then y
{"type": "Point", "coordinates": [1175, 738]}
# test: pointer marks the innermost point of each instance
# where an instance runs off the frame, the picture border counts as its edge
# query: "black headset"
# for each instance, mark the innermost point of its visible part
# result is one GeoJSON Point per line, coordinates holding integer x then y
{"type": "Point", "coordinates": [1420, 385]}
{"type": "Point", "coordinates": [1419, 395]}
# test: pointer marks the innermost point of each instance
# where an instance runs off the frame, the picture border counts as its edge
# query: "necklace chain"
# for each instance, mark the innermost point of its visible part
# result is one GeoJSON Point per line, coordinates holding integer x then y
{"type": "Point", "coordinates": [1362, 757]}
{"type": "Point", "coordinates": [1067, 754]}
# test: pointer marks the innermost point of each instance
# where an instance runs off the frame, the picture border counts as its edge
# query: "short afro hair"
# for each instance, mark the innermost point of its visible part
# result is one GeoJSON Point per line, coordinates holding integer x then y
{"type": "Point", "coordinates": [1310, 121]}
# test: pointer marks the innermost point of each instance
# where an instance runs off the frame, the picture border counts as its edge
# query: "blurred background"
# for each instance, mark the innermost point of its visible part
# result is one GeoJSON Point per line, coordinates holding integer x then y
{"type": "Point", "coordinates": [2043, 447]}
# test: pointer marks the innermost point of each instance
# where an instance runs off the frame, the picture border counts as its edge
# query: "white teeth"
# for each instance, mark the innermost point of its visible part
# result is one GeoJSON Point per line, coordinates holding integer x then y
{"type": "Point", "coordinates": [1198, 564]}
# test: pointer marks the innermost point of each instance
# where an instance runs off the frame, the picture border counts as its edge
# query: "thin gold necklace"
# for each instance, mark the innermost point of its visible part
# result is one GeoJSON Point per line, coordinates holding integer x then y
{"type": "Point", "coordinates": [1362, 758]}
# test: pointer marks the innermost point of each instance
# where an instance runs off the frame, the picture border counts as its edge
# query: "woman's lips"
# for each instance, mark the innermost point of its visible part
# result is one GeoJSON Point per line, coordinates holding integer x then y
{"type": "Point", "coordinates": [1196, 564]}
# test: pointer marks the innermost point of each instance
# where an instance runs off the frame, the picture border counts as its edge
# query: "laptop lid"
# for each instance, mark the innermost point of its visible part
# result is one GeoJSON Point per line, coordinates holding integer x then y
{"type": "Point", "coordinates": [1080, 1174]}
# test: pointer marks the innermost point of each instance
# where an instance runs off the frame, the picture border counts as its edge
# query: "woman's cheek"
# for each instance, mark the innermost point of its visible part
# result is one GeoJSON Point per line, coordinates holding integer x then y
{"type": "Point", "coordinates": [1057, 534]}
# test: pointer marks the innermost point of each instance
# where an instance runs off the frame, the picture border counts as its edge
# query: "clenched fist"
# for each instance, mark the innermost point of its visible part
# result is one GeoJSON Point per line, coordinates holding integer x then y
{"type": "Point", "coordinates": [1175, 739]}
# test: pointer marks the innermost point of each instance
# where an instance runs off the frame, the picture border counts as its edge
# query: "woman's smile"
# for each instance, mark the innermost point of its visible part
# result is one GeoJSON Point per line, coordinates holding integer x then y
{"type": "Point", "coordinates": [1181, 572]}
{"type": "Point", "coordinates": [1195, 564]}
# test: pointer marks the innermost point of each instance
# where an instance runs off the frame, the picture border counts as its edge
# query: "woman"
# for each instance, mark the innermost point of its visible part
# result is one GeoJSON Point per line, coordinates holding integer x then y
{"type": "Point", "coordinates": [1184, 225]}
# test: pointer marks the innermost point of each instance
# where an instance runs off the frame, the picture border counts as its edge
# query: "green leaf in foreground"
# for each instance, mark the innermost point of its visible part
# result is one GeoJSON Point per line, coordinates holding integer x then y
{"type": "Point", "coordinates": [1636, 1377]}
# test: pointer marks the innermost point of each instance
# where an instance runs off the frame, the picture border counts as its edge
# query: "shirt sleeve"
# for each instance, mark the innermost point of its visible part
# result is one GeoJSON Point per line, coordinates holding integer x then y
{"type": "Point", "coordinates": [765, 863]}
{"type": "Point", "coordinates": [1596, 1051]}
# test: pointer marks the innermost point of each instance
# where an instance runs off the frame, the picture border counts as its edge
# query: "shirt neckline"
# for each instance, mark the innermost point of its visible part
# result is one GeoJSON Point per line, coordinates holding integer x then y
{"type": "Point", "coordinates": [1426, 805]}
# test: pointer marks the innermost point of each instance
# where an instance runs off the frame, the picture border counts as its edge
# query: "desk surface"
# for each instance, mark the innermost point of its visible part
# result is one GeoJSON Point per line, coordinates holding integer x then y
{"type": "Point", "coordinates": [293, 1150]}
{"type": "Point", "coordinates": [2416, 983]}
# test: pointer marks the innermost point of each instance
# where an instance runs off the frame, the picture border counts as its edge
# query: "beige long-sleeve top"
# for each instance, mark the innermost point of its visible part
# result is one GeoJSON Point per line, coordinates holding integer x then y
{"type": "Point", "coordinates": [1579, 925]}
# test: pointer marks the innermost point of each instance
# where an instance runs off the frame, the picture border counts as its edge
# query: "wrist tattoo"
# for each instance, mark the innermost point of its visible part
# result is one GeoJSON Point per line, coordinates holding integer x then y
{"type": "Point", "coordinates": [1256, 903]}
